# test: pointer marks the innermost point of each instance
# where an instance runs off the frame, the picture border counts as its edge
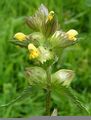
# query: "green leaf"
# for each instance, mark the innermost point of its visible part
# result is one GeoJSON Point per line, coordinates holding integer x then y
{"type": "Point", "coordinates": [21, 43]}
{"type": "Point", "coordinates": [68, 93]}
{"type": "Point", "coordinates": [23, 95]}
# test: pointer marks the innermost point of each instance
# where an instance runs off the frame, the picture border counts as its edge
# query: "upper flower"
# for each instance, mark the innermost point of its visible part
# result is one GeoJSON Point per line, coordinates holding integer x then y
{"type": "Point", "coordinates": [47, 40]}
{"type": "Point", "coordinates": [71, 34]}
{"type": "Point", "coordinates": [43, 21]}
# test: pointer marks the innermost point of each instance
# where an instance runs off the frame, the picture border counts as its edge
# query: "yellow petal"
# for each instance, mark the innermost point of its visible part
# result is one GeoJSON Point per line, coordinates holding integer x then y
{"type": "Point", "coordinates": [34, 54]}
{"type": "Point", "coordinates": [20, 36]}
{"type": "Point", "coordinates": [50, 16]}
{"type": "Point", "coordinates": [33, 51]}
{"type": "Point", "coordinates": [71, 34]}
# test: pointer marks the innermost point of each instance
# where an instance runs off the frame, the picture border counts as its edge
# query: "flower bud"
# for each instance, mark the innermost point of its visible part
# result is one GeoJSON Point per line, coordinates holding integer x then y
{"type": "Point", "coordinates": [71, 34]}
{"type": "Point", "coordinates": [63, 76]}
{"type": "Point", "coordinates": [50, 25]}
{"type": "Point", "coordinates": [20, 36]}
{"type": "Point", "coordinates": [50, 16]}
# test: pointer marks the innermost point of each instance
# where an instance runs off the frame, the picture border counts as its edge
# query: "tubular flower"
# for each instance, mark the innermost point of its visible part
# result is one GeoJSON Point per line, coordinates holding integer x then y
{"type": "Point", "coordinates": [33, 51]}
{"type": "Point", "coordinates": [71, 34]}
{"type": "Point", "coordinates": [34, 54]}
{"type": "Point", "coordinates": [20, 36]}
{"type": "Point", "coordinates": [50, 16]}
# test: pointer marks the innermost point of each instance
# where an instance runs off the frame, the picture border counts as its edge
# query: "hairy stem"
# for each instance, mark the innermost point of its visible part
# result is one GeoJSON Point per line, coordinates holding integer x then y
{"type": "Point", "coordinates": [48, 92]}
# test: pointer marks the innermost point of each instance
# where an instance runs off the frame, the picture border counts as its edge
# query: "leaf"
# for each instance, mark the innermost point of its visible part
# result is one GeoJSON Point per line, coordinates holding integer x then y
{"type": "Point", "coordinates": [21, 44]}
{"type": "Point", "coordinates": [23, 95]}
{"type": "Point", "coordinates": [68, 93]}
{"type": "Point", "coordinates": [18, 43]}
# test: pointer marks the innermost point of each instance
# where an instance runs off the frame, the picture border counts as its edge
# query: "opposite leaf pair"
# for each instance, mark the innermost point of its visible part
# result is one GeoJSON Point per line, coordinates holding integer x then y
{"type": "Point", "coordinates": [37, 75]}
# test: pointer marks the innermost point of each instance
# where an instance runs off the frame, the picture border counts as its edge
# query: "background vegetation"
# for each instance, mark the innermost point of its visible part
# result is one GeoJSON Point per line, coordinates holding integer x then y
{"type": "Point", "coordinates": [71, 14]}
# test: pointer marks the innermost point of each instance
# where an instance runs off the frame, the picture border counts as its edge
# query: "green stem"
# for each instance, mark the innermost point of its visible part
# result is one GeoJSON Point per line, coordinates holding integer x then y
{"type": "Point", "coordinates": [48, 92]}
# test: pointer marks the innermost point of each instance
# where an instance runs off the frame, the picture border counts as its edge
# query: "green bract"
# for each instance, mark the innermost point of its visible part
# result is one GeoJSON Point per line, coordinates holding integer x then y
{"type": "Point", "coordinates": [60, 40]}
{"type": "Point", "coordinates": [39, 22]}
{"type": "Point", "coordinates": [63, 76]}
{"type": "Point", "coordinates": [36, 76]}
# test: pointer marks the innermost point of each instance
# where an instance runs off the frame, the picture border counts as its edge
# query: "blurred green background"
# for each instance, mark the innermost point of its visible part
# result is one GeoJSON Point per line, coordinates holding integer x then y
{"type": "Point", "coordinates": [74, 14]}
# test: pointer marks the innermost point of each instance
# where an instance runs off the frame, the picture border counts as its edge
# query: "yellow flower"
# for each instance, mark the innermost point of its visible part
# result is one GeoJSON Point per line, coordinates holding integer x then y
{"type": "Point", "coordinates": [33, 51]}
{"type": "Point", "coordinates": [20, 36]}
{"type": "Point", "coordinates": [71, 34]}
{"type": "Point", "coordinates": [33, 54]}
{"type": "Point", "coordinates": [50, 16]}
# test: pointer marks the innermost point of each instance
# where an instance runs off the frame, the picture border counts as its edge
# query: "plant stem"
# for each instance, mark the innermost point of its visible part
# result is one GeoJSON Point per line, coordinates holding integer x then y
{"type": "Point", "coordinates": [48, 92]}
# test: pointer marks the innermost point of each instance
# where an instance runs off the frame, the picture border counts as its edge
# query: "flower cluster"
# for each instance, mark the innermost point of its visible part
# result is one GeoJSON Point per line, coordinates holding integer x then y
{"type": "Point", "coordinates": [46, 41]}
